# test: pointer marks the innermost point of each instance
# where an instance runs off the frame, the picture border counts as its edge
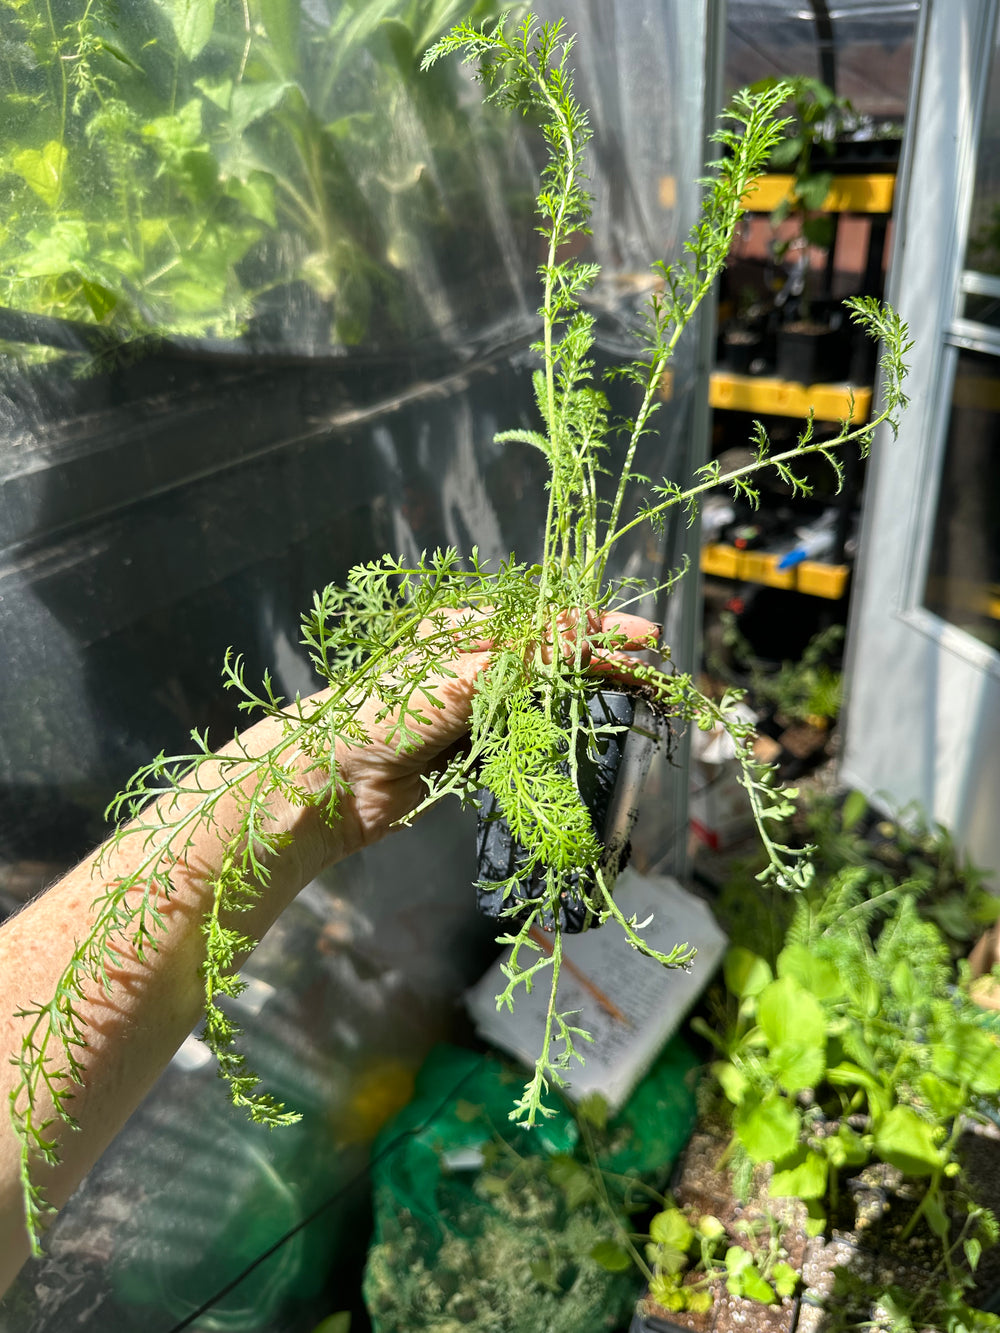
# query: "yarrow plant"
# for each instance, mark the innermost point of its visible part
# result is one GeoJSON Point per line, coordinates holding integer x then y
{"type": "Point", "coordinates": [377, 639]}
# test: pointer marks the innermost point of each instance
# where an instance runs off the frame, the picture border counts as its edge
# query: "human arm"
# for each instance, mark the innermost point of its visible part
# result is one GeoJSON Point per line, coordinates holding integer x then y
{"type": "Point", "coordinates": [133, 1028]}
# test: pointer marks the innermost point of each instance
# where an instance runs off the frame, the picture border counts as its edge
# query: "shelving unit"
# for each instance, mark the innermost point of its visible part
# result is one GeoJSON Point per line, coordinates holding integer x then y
{"type": "Point", "coordinates": [769, 395]}
{"type": "Point", "coordinates": [810, 576]}
{"type": "Point", "coordinates": [871, 193]}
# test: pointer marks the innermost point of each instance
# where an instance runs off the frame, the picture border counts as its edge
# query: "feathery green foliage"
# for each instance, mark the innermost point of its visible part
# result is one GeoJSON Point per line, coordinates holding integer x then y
{"type": "Point", "coordinates": [858, 1048]}
{"type": "Point", "coordinates": [377, 639]}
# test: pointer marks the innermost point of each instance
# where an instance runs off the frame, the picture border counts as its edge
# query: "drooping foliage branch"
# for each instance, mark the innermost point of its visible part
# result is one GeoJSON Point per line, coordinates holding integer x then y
{"type": "Point", "coordinates": [379, 639]}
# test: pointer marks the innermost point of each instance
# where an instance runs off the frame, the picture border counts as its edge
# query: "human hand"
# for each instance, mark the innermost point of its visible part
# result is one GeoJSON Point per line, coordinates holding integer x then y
{"type": "Point", "coordinates": [384, 781]}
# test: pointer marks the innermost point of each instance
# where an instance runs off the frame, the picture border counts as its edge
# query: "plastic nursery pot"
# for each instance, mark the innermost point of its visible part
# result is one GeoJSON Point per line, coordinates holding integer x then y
{"type": "Point", "coordinates": [609, 782]}
{"type": "Point", "coordinates": [736, 1316]}
{"type": "Point", "coordinates": [743, 350]}
{"type": "Point", "coordinates": [810, 353]}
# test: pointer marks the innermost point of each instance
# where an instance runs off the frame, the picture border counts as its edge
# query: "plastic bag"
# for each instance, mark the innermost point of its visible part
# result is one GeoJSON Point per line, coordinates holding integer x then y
{"type": "Point", "coordinates": [481, 1223]}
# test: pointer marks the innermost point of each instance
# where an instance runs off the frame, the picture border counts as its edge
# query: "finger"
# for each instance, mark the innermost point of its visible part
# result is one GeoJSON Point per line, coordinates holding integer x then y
{"type": "Point", "coordinates": [633, 631]}
{"type": "Point", "coordinates": [463, 620]}
{"type": "Point", "coordinates": [619, 667]}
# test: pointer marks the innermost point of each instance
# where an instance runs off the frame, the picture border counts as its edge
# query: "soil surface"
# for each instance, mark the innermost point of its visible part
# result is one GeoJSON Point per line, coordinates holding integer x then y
{"type": "Point", "coordinates": [864, 1249]}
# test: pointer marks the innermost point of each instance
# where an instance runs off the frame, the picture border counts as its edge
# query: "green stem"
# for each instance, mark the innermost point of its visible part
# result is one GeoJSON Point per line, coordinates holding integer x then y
{"type": "Point", "coordinates": [692, 493]}
{"type": "Point", "coordinates": [114, 918]}
{"type": "Point", "coordinates": [623, 1234]}
{"type": "Point", "coordinates": [63, 92]}
{"type": "Point", "coordinates": [934, 1186]}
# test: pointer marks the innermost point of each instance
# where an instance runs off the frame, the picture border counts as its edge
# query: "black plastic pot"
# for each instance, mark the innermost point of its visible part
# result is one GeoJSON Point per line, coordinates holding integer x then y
{"type": "Point", "coordinates": [609, 783]}
{"type": "Point", "coordinates": [812, 354]}
{"type": "Point", "coordinates": [741, 348]}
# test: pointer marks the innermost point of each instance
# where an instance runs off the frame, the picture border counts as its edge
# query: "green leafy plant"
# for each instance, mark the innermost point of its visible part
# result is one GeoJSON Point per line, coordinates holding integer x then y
{"type": "Point", "coordinates": [799, 691]}
{"type": "Point", "coordinates": [857, 1050]}
{"type": "Point", "coordinates": [843, 832]}
{"type": "Point", "coordinates": [378, 637]}
{"type": "Point", "coordinates": [818, 117]}
{"type": "Point", "coordinates": [169, 174]}
{"type": "Point", "coordinates": [692, 1254]}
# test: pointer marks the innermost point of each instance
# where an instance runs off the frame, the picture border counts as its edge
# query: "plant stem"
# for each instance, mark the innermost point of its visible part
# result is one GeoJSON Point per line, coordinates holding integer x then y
{"type": "Point", "coordinates": [597, 1175]}
{"type": "Point", "coordinates": [692, 492]}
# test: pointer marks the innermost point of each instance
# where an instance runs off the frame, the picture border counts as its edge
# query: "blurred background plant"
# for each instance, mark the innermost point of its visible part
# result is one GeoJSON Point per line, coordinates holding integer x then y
{"type": "Point", "coordinates": [806, 689]}
{"type": "Point", "coordinates": [211, 169]}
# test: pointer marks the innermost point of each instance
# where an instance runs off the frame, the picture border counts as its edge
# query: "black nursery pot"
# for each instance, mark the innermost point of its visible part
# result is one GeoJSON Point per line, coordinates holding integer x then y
{"type": "Point", "coordinates": [742, 347]}
{"type": "Point", "coordinates": [609, 783]}
{"type": "Point", "coordinates": [812, 354]}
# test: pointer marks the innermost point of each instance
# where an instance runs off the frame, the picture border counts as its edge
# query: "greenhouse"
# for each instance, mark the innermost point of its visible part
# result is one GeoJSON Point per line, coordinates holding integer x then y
{"type": "Point", "coordinates": [499, 678]}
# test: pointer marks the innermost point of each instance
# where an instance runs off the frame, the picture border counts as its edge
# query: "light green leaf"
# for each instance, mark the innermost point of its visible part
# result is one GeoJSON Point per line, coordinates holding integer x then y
{"type": "Point", "coordinates": [152, 229]}
{"type": "Point", "coordinates": [796, 1067]}
{"type": "Point", "coordinates": [42, 170]}
{"type": "Point", "coordinates": [965, 1053]}
{"type": "Point", "coordinates": [218, 91]}
{"type": "Point", "coordinates": [973, 1252]}
{"type": "Point", "coordinates": [251, 101]}
{"type": "Point", "coordinates": [795, 1026]}
{"type": "Point", "coordinates": [752, 1285]}
{"type": "Point", "coordinates": [937, 1218]}
{"type": "Point", "coordinates": [732, 1081]}
{"type": "Point", "coordinates": [256, 194]}
{"type": "Point", "coordinates": [906, 1141]}
{"type": "Point", "coordinates": [745, 973]}
{"type": "Point", "coordinates": [805, 1180]}
{"type": "Point", "coordinates": [816, 975]}
{"type": "Point", "coordinates": [177, 134]}
{"type": "Point", "coordinates": [944, 1098]}
{"type": "Point", "coordinates": [192, 22]}
{"type": "Point", "coordinates": [787, 1012]}
{"type": "Point", "coordinates": [61, 248]}
{"type": "Point", "coordinates": [671, 1227]}
{"type": "Point", "coordinates": [738, 1259]}
{"type": "Point", "coordinates": [710, 1227]}
{"type": "Point", "coordinates": [769, 1130]}
{"type": "Point", "coordinates": [845, 1148]}
{"type": "Point", "coordinates": [281, 23]}
{"type": "Point", "coordinates": [815, 1218]}
{"type": "Point", "coordinates": [785, 1279]}
{"type": "Point", "coordinates": [611, 1257]}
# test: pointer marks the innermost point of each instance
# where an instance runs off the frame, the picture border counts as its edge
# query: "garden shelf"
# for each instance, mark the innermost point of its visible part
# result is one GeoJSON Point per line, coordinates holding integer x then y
{"type": "Point", "coordinates": [869, 193]}
{"type": "Point", "coordinates": [810, 576]}
{"type": "Point", "coordinates": [772, 396]}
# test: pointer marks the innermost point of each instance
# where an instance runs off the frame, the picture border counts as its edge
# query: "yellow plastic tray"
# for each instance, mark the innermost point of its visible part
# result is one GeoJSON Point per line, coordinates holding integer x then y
{"type": "Point", "coordinates": [823, 580]}
{"type": "Point", "coordinates": [872, 193]}
{"type": "Point", "coordinates": [770, 396]}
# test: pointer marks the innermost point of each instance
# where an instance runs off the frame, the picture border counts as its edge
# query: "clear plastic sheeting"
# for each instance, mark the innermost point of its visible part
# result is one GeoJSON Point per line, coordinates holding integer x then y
{"type": "Point", "coordinates": [863, 49]}
{"type": "Point", "coordinates": [197, 438]}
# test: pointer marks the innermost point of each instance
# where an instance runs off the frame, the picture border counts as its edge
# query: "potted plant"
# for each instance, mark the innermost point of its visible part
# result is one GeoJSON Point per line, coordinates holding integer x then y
{"type": "Point", "coordinates": [377, 638]}
{"type": "Point", "coordinates": [832, 1165]}
{"type": "Point", "coordinates": [812, 342]}
{"type": "Point", "coordinates": [797, 702]}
